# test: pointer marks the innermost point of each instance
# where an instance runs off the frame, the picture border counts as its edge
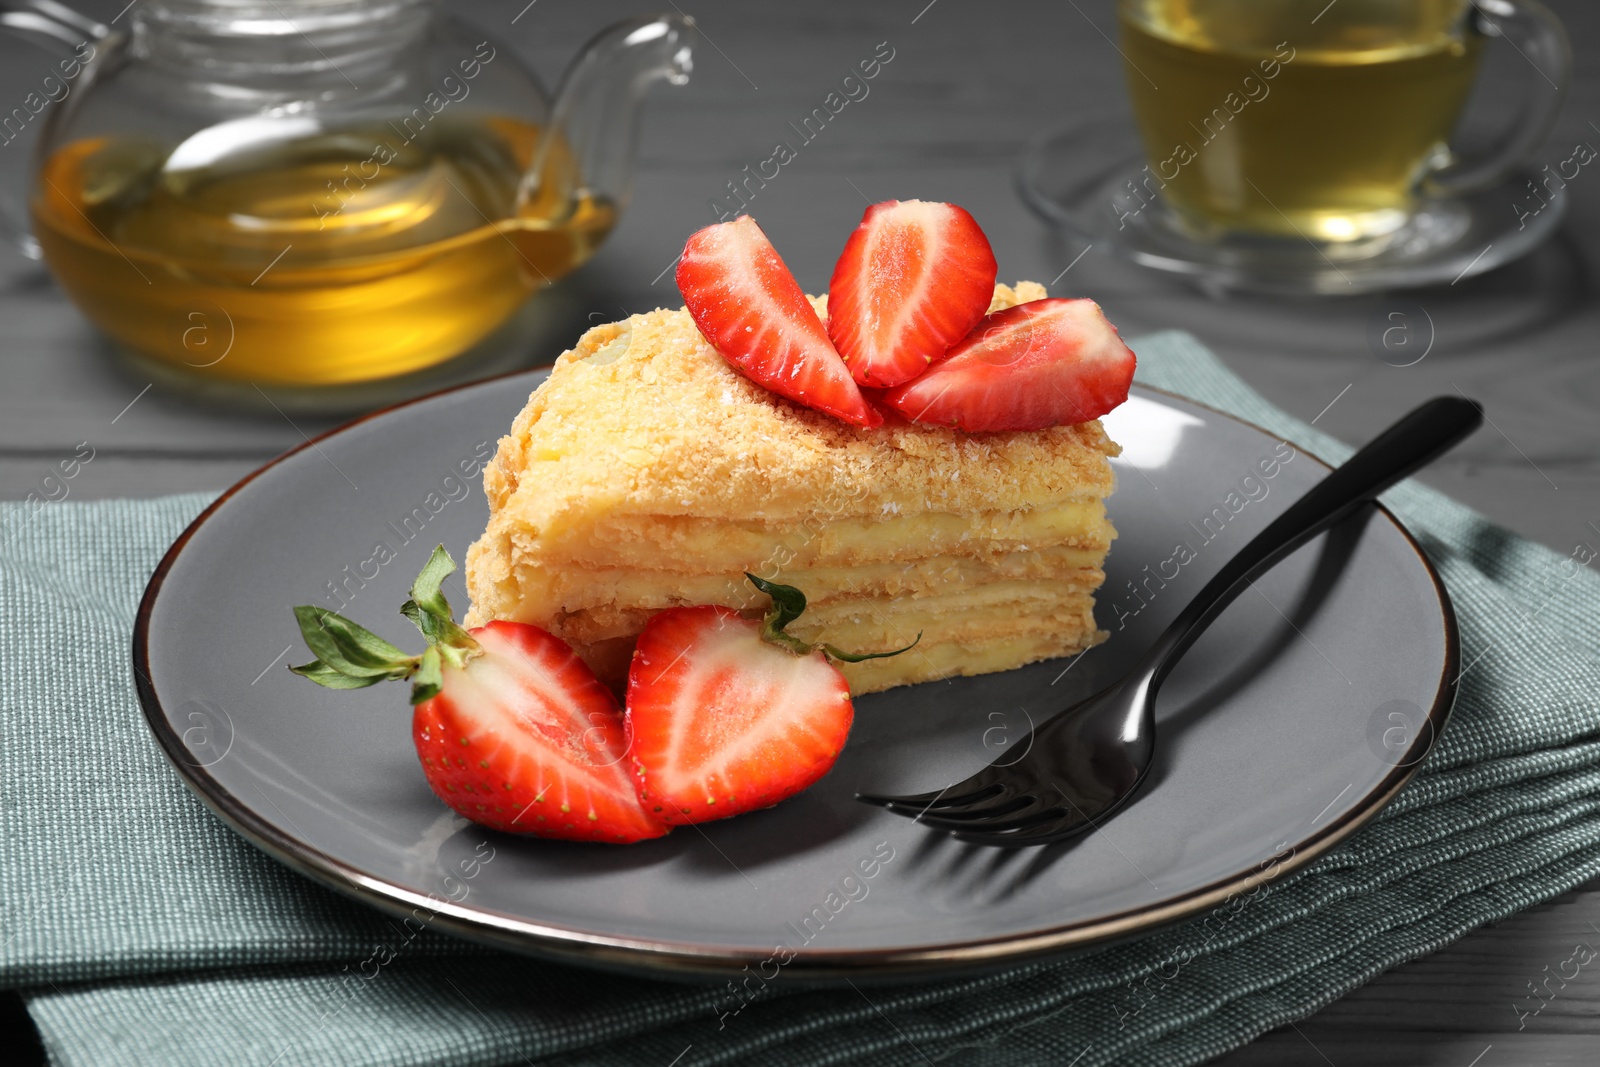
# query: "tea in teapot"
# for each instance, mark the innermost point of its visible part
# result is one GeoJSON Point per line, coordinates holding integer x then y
{"type": "Point", "coordinates": [366, 194]}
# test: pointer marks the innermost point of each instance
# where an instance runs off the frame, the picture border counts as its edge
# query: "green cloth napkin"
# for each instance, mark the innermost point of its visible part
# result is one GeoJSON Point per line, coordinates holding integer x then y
{"type": "Point", "coordinates": [141, 930]}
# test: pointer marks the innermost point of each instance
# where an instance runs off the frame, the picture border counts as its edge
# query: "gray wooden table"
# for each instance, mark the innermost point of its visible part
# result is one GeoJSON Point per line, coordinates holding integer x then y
{"type": "Point", "coordinates": [945, 120]}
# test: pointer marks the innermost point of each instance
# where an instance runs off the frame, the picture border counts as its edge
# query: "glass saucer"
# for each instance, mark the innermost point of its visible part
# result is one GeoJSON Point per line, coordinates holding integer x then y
{"type": "Point", "coordinates": [1086, 178]}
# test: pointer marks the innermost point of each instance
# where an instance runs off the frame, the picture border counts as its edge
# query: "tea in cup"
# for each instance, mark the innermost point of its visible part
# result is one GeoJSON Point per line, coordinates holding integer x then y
{"type": "Point", "coordinates": [1309, 119]}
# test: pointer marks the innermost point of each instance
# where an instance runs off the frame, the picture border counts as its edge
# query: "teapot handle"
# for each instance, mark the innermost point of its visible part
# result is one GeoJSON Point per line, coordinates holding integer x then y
{"type": "Point", "coordinates": [593, 130]}
{"type": "Point", "coordinates": [66, 33]}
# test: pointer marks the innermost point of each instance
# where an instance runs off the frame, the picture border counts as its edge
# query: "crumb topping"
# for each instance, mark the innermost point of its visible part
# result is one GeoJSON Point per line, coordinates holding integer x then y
{"type": "Point", "coordinates": [644, 417]}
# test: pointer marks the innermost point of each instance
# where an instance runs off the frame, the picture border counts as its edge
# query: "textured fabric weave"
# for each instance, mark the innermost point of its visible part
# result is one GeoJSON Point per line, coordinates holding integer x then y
{"type": "Point", "coordinates": [141, 930]}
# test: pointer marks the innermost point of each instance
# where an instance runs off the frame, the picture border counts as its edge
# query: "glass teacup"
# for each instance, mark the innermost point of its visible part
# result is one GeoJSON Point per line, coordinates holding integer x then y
{"type": "Point", "coordinates": [1305, 146]}
{"type": "Point", "coordinates": [1304, 118]}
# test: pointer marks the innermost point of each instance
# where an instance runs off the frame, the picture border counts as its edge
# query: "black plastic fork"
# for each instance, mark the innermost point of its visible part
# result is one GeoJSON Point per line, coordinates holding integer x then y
{"type": "Point", "coordinates": [1087, 760]}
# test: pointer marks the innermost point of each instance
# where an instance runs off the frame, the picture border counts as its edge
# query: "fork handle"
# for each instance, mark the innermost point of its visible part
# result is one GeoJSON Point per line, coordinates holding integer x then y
{"type": "Point", "coordinates": [1405, 447]}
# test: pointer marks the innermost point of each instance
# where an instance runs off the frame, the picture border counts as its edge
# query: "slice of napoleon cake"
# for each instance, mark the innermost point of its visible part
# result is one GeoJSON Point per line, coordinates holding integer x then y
{"type": "Point", "coordinates": [647, 473]}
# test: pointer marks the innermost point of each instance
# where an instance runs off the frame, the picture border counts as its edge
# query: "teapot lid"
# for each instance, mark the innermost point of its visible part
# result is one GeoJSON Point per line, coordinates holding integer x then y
{"type": "Point", "coordinates": [279, 12]}
{"type": "Point", "coordinates": [337, 40]}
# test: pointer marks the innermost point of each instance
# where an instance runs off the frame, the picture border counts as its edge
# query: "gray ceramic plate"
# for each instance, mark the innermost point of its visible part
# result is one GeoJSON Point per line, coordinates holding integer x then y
{"type": "Point", "coordinates": [1291, 722]}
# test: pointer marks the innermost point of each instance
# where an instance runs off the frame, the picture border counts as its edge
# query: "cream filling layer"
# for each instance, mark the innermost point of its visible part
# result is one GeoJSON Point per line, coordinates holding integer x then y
{"type": "Point", "coordinates": [956, 658]}
{"type": "Point", "coordinates": [695, 545]}
{"type": "Point", "coordinates": [874, 624]}
{"type": "Point", "coordinates": [543, 591]}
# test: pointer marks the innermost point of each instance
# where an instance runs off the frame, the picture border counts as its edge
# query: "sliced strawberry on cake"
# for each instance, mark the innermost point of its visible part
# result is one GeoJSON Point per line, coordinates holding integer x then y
{"type": "Point", "coordinates": [1040, 364]}
{"type": "Point", "coordinates": [748, 305]}
{"type": "Point", "coordinates": [913, 279]}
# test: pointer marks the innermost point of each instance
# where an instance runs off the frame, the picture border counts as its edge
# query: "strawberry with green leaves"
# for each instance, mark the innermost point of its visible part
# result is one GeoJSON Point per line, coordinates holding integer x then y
{"type": "Point", "coordinates": [514, 731]}
{"type": "Point", "coordinates": [727, 714]}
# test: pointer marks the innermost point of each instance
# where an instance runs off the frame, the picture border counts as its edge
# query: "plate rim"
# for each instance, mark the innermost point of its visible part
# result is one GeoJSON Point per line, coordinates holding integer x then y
{"type": "Point", "coordinates": [687, 960]}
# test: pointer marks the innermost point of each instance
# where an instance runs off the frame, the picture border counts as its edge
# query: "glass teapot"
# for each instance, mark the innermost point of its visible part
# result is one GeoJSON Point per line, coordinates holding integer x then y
{"type": "Point", "coordinates": [320, 192]}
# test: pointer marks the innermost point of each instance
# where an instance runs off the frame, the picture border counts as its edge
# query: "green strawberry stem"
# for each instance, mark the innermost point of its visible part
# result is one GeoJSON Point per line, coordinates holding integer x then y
{"type": "Point", "coordinates": [350, 656]}
{"type": "Point", "coordinates": [788, 604]}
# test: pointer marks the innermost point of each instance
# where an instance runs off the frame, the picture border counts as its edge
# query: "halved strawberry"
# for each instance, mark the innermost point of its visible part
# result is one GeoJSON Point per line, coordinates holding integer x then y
{"type": "Point", "coordinates": [514, 731]}
{"type": "Point", "coordinates": [913, 279]}
{"type": "Point", "coordinates": [1043, 363]}
{"type": "Point", "coordinates": [748, 305]}
{"type": "Point", "coordinates": [525, 738]}
{"type": "Point", "coordinates": [726, 714]}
